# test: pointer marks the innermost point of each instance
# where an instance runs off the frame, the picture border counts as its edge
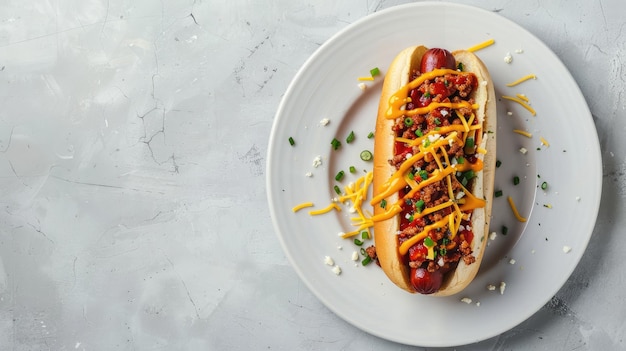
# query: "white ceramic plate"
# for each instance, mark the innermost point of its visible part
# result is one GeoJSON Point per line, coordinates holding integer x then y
{"type": "Point", "coordinates": [326, 87]}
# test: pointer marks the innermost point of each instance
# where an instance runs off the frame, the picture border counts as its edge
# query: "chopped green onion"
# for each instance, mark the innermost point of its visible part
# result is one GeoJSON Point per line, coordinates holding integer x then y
{"type": "Point", "coordinates": [460, 66]}
{"type": "Point", "coordinates": [498, 163]}
{"type": "Point", "coordinates": [411, 176]}
{"type": "Point", "coordinates": [408, 121]}
{"type": "Point", "coordinates": [363, 252]}
{"type": "Point", "coordinates": [337, 189]}
{"type": "Point", "coordinates": [383, 203]}
{"type": "Point", "coordinates": [443, 251]}
{"type": "Point", "coordinates": [335, 143]}
{"type": "Point", "coordinates": [544, 185]}
{"type": "Point", "coordinates": [365, 235]}
{"type": "Point", "coordinates": [352, 169]}
{"type": "Point", "coordinates": [350, 137]}
{"type": "Point", "coordinates": [339, 176]}
{"type": "Point", "coordinates": [515, 180]}
{"type": "Point", "coordinates": [423, 174]}
{"type": "Point", "coordinates": [426, 95]}
{"type": "Point", "coordinates": [291, 141]}
{"type": "Point", "coordinates": [366, 260]}
{"type": "Point", "coordinates": [411, 218]}
{"type": "Point", "coordinates": [366, 155]}
{"type": "Point", "coordinates": [504, 230]}
{"type": "Point", "coordinates": [374, 71]}
{"type": "Point", "coordinates": [370, 135]}
{"type": "Point", "coordinates": [469, 143]}
{"type": "Point", "coordinates": [437, 121]}
{"type": "Point", "coordinates": [428, 242]}
{"type": "Point", "coordinates": [358, 242]}
{"type": "Point", "coordinates": [498, 193]}
{"type": "Point", "coordinates": [419, 133]}
{"type": "Point", "coordinates": [469, 174]}
{"type": "Point", "coordinates": [419, 205]}
{"type": "Point", "coordinates": [460, 160]}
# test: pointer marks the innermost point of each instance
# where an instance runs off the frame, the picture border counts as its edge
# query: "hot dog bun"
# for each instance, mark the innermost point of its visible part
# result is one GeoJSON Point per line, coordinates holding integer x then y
{"type": "Point", "coordinates": [394, 264]}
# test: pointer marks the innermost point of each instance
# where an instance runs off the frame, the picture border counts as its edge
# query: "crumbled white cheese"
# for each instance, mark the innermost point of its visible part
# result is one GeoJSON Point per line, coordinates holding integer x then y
{"type": "Point", "coordinates": [362, 86]}
{"type": "Point", "coordinates": [502, 287]}
{"type": "Point", "coordinates": [352, 209]}
{"type": "Point", "coordinates": [336, 270]}
{"type": "Point", "coordinates": [477, 303]}
{"type": "Point", "coordinates": [532, 252]}
{"type": "Point", "coordinates": [444, 112]}
{"type": "Point", "coordinates": [329, 261]}
{"type": "Point", "coordinates": [509, 113]}
{"type": "Point", "coordinates": [440, 261]}
{"type": "Point", "coordinates": [308, 174]}
{"type": "Point", "coordinates": [508, 58]}
{"type": "Point", "coordinates": [577, 198]}
{"type": "Point", "coordinates": [492, 236]}
{"type": "Point", "coordinates": [512, 261]}
{"type": "Point", "coordinates": [519, 51]}
{"type": "Point", "coordinates": [460, 195]}
{"type": "Point", "coordinates": [484, 83]}
{"type": "Point", "coordinates": [434, 137]}
{"type": "Point", "coordinates": [341, 234]}
{"type": "Point", "coordinates": [467, 300]}
{"type": "Point", "coordinates": [340, 247]}
{"type": "Point", "coordinates": [567, 249]}
{"type": "Point", "coordinates": [409, 155]}
{"type": "Point", "coordinates": [523, 150]}
{"type": "Point", "coordinates": [324, 122]}
{"type": "Point", "coordinates": [317, 161]}
{"type": "Point", "coordinates": [491, 287]}
{"type": "Point", "coordinates": [355, 256]}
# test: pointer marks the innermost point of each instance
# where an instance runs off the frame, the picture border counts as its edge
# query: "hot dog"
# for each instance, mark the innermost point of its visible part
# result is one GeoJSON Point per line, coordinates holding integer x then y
{"type": "Point", "coordinates": [434, 162]}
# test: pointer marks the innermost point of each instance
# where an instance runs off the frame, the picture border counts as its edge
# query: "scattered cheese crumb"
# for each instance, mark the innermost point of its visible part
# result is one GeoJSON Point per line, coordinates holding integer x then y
{"type": "Point", "coordinates": [512, 261]}
{"type": "Point", "coordinates": [337, 270]}
{"type": "Point", "coordinates": [492, 236]}
{"type": "Point", "coordinates": [341, 234]}
{"type": "Point", "coordinates": [508, 58]}
{"type": "Point", "coordinates": [477, 303]}
{"type": "Point", "coordinates": [339, 247]}
{"type": "Point", "coordinates": [502, 287]}
{"type": "Point", "coordinates": [317, 161]}
{"type": "Point", "coordinates": [519, 51]}
{"type": "Point", "coordinates": [355, 256]}
{"type": "Point", "coordinates": [567, 249]}
{"type": "Point", "coordinates": [532, 252]}
{"type": "Point", "coordinates": [577, 198]}
{"type": "Point", "coordinates": [324, 122]}
{"type": "Point", "coordinates": [467, 300]}
{"type": "Point", "coordinates": [484, 83]}
{"type": "Point", "coordinates": [362, 86]}
{"type": "Point", "coordinates": [308, 174]}
{"type": "Point", "coordinates": [491, 287]}
{"type": "Point", "coordinates": [509, 113]}
{"type": "Point", "coordinates": [523, 150]}
{"type": "Point", "coordinates": [329, 261]}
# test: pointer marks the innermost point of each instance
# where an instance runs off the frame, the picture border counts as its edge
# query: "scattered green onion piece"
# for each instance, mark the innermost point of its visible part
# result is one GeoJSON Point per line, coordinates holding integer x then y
{"type": "Point", "coordinates": [504, 230]}
{"type": "Point", "coordinates": [363, 252]}
{"type": "Point", "coordinates": [469, 143]}
{"type": "Point", "coordinates": [428, 242]}
{"type": "Point", "coordinates": [383, 203]}
{"type": "Point", "coordinates": [366, 260]}
{"type": "Point", "coordinates": [411, 176]}
{"type": "Point", "coordinates": [419, 133]}
{"type": "Point", "coordinates": [419, 205]}
{"type": "Point", "coordinates": [374, 71]}
{"type": "Point", "coordinates": [469, 174]}
{"type": "Point", "coordinates": [370, 135]}
{"type": "Point", "coordinates": [352, 169]}
{"type": "Point", "coordinates": [423, 174]}
{"type": "Point", "coordinates": [350, 137]}
{"type": "Point", "coordinates": [426, 95]}
{"type": "Point", "coordinates": [339, 176]}
{"type": "Point", "coordinates": [408, 121]}
{"type": "Point", "coordinates": [365, 235]}
{"type": "Point", "coordinates": [544, 185]}
{"type": "Point", "coordinates": [498, 193]}
{"type": "Point", "coordinates": [515, 180]}
{"type": "Point", "coordinates": [460, 66]}
{"type": "Point", "coordinates": [366, 155]}
{"type": "Point", "coordinates": [335, 143]}
{"type": "Point", "coordinates": [443, 251]}
{"type": "Point", "coordinates": [358, 242]}
{"type": "Point", "coordinates": [337, 190]}
{"type": "Point", "coordinates": [460, 160]}
{"type": "Point", "coordinates": [291, 141]}
{"type": "Point", "coordinates": [437, 121]}
{"type": "Point", "coordinates": [498, 163]}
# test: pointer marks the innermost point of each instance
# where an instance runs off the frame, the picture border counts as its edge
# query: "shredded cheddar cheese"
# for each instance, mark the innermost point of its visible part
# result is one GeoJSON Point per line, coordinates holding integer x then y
{"type": "Point", "coordinates": [515, 211]}
{"type": "Point", "coordinates": [521, 80]}
{"type": "Point", "coordinates": [544, 142]}
{"type": "Point", "coordinates": [521, 102]}
{"type": "Point", "coordinates": [523, 132]}
{"type": "Point", "coordinates": [482, 45]}
{"type": "Point", "coordinates": [301, 206]}
{"type": "Point", "coordinates": [365, 78]}
{"type": "Point", "coordinates": [332, 206]}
